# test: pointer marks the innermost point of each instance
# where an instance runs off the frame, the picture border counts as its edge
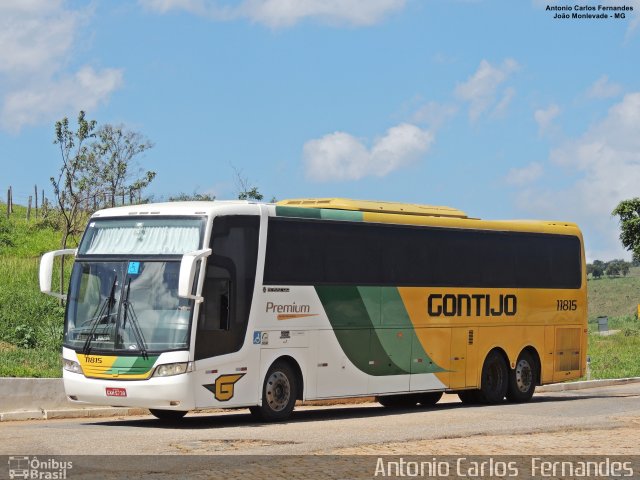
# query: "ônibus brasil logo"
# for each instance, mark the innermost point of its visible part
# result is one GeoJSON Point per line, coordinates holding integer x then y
{"type": "Point", "coordinates": [28, 467]}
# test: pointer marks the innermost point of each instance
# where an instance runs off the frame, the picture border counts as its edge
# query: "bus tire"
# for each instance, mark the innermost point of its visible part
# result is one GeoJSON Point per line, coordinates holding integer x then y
{"type": "Point", "coordinates": [278, 393]}
{"type": "Point", "coordinates": [429, 399]}
{"type": "Point", "coordinates": [522, 379]}
{"type": "Point", "coordinates": [495, 378]}
{"type": "Point", "coordinates": [167, 415]}
{"type": "Point", "coordinates": [470, 397]}
{"type": "Point", "coordinates": [398, 401]}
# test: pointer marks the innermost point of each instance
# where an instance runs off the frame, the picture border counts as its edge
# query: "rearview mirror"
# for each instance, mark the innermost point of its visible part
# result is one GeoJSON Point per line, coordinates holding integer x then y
{"type": "Point", "coordinates": [46, 270]}
{"type": "Point", "coordinates": [187, 272]}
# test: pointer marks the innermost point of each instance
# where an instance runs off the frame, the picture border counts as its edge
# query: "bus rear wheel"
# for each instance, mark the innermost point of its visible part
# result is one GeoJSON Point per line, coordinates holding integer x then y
{"type": "Point", "coordinates": [495, 378]}
{"type": "Point", "coordinates": [167, 415]}
{"type": "Point", "coordinates": [522, 379]}
{"type": "Point", "coordinates": [471, 397]}
{"type": "Point", "coordinates": [278, 393]}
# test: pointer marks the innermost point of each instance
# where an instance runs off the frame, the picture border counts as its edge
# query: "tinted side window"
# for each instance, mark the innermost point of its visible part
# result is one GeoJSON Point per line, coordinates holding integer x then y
{"type": "Point", "coordinates": [317, 252]}
{"type": "Point", "coordinates": [228, 287]}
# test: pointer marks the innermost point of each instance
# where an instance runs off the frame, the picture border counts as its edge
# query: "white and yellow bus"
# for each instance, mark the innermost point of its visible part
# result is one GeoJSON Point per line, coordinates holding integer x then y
{"type": "Point", "coordinates": [186, 306]}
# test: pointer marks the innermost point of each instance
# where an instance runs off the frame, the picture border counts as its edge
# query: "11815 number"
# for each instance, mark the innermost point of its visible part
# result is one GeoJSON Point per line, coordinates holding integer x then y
{"type": "Point", "coordinates": [566, 305]}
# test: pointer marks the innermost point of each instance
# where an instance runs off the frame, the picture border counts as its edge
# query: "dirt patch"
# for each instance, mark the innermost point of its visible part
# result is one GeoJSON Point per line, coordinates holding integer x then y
{"type": "Point", "coordinates": [613, 441]}
{"type": "Point", "coordinates": [7, 347]}
{"type": "Point", "coordinates": [202, 447]}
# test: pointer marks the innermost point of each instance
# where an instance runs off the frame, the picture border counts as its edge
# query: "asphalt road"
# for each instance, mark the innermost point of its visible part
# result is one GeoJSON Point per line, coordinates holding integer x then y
{"type": "Point", "coordinates": [364, 428]}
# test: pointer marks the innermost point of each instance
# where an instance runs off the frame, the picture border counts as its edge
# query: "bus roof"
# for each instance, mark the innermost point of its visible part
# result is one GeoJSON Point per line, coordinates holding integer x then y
{"type": "Point", "coordinates": [374, 206]}
{"type": "Point", "coordinates": [170, 208]}
{"type": "Point", "coordinates": [370, 211]}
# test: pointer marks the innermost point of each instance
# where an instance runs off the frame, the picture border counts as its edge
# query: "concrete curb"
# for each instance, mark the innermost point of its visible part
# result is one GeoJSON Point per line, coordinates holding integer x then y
{"type": "Point", "coordinates": [561, 387]}
{"type": "Point", "coordinates": [93, 412]}
{"type": "Point", "coordinates": [58, 410]}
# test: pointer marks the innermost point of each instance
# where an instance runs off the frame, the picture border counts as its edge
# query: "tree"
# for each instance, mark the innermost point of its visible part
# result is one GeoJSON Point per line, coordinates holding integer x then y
{"type": "Point", "coordinates": [195, 196]}
{"type": "Point", "coordinates": [629, 213]}
{"type": "Point", "coordinates": [75, 180]}
{"type": "Point", "coordinates": [245, 190]}
{"type": "Point", "coordinates": [115, 150]}
{"type": "Point", "coordinates": [596, 269]}
{"type": "Point", "coordinates": [613, 269]}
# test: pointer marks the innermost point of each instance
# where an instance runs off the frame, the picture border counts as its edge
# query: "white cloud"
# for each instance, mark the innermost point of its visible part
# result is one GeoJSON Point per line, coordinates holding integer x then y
{"type": "Point", "coordinates": [82, 91]}
{"type": "Point", "coordinates": [36, 42]}
{"type": "Point", "coordinates": [603, 88]}
{"type": "Point", "coordinates": [524, 175]}
{"type": "Point", "coordinates": [505, 101]}
{"type": "Point", "coordinates": [544, 117]}
{"type": "Point", "coordinates": [605, 163]}
{"type": "Point", "coordinates": [284, 13]}
{"type": "Point", "coordinates": [341, 156]}
{"type": "Point", "coordinates": [482, 89]}
{"type": "Point", "coordinates": [434, 114]}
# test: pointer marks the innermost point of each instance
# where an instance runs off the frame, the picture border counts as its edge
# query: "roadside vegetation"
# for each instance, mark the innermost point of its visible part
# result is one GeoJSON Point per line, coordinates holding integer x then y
{"type": "Point", "coordinates": [30, 322]}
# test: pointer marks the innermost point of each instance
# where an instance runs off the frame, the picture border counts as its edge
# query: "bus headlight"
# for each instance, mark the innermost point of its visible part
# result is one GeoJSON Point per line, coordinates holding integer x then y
{"type": "Point", "coordinates": [71, 366]}
{"type": "Point", "coordinates": [170, 369]}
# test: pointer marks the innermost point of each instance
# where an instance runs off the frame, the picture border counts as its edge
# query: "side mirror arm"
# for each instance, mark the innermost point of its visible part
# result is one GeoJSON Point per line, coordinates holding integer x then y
{"type": "Point", "coordinates": [46, 270]}
{"type": "Point", "coordinates": [188, 271]}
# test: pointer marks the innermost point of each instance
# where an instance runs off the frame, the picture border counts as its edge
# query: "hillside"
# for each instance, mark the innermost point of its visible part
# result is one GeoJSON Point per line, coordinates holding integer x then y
{"type": "Point", "coordinates": [30, 322]}
{"type": "Point", "coordinates": [615, 297]}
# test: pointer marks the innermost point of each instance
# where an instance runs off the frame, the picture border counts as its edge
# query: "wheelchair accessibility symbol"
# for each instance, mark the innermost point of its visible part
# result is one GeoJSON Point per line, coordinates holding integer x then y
{"type": "Point", "coordinates": [261, 338]}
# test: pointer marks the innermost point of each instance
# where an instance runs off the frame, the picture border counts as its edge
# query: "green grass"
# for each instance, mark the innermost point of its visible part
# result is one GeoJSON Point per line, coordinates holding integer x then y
{"type": "Point", "coordinates": [31, 323]}
{"type": "Point", "coordinates": [615, 356]}
{"type": "Point", "coordinates": [615, 297]}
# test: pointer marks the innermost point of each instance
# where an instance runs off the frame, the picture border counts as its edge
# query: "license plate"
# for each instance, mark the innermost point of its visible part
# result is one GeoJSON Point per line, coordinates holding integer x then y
{"type": "Point", "coordinates": [116, 392]}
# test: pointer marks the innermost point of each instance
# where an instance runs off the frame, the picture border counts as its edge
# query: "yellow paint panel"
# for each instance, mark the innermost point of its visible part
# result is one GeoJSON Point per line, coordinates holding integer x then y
{"type": "Point", "coordinates": [536, 313]}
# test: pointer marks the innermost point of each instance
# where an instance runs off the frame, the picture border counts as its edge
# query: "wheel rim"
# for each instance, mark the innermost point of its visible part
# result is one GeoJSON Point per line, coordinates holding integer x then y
{"type": "Point", "coordinates": [524, 376]}
{"type": "Point", "coordinates": [278, 391]}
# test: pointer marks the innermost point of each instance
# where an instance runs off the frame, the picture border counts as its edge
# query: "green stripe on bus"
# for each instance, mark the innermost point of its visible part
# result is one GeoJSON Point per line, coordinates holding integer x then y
{"type": "Point", "coordinates": [297, 212]}
{"type": "Point", "coordinates": [374, 330]}
{"type": "Point", "coordinates": [319, 213]}
{"type": "Point", "coordinates": [132, 365]}
{"type": "Point", "coordinates": [352, 325]}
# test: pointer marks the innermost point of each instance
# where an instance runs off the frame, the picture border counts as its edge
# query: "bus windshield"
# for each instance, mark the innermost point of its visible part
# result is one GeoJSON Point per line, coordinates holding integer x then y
{"type": "Point", "coordinates": [128, 306]}
{"type": "Point", "coordinates": [142, 236]}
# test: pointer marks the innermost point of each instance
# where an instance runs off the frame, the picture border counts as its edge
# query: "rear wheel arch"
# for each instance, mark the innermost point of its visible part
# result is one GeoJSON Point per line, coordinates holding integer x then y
{"type": "Point", "coordinates": [295, 366]}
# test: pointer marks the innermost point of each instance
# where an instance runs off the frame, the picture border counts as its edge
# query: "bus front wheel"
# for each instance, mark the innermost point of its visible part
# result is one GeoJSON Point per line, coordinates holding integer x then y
{"type": "Point", "coordinates": [429, 399]}
{"type": "Point", "coordinates": [278, 393]}
{"type": "Point", "coordinates": [398, 401]}
{"type": "Point", "coordinates": [167, 415]}
{"type": "Point", "coordinates": [493, 386]}
{"type": "Point", "coordinates": [522, 379]}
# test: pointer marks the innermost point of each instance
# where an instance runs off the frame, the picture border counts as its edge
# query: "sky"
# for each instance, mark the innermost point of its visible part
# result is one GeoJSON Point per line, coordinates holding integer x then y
{"type": "Point", "coordinates": [493, 107]}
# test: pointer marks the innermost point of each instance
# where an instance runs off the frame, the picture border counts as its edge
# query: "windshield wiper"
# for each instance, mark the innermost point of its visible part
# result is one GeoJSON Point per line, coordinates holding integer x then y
{"type": "Point", "coordinates": [130, 313]}
{"type": "Point", "coordinates": [105, 311]}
